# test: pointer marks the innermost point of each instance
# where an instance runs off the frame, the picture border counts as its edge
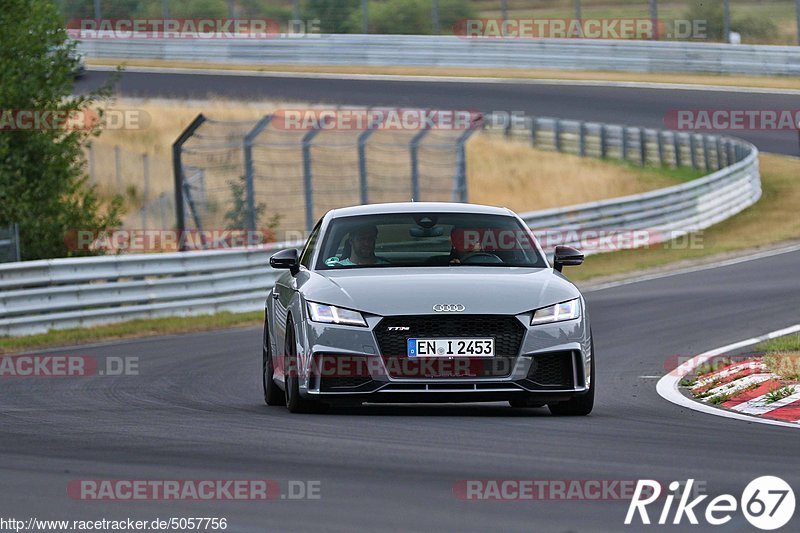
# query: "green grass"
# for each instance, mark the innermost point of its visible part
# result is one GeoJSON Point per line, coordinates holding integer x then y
{"type": "Point", "coordinates": [788, 343]}
{"type": "Point", "coordinates": [134, 328]}
{"type": "Point", "coordinates": [782, 356]}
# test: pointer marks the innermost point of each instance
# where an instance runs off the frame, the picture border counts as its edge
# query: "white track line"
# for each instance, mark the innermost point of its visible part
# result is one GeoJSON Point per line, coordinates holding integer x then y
{"type": "Point", "coordinates": [667, 386]}
{"type": "Point", "coordinates": [448, 79]}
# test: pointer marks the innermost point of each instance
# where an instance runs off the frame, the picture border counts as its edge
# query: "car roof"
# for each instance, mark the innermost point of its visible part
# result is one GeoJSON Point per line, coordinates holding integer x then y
{"type": "Point", "coordinates": [418, 207]}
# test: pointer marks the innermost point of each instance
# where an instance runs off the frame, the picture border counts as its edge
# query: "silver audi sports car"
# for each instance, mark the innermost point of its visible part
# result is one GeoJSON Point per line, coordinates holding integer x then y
{"type": "Point", "coordinates": [426, 302]}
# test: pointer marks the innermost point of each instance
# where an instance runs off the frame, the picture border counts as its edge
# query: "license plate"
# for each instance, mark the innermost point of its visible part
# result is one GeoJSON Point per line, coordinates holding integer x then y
{"type": "Point", "coordinates": [451, 347]}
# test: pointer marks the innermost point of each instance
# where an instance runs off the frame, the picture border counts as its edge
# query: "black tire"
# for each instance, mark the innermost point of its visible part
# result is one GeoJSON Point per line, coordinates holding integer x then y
{"type": "Point", "coordinates": [579, 405]}
{"type": "Point", "coordinates": [294, 402]}
{"type": "Point", "coordinates": [272, 394]}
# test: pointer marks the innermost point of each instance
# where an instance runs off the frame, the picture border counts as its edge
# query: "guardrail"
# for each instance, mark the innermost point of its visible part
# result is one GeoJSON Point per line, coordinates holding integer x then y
{"type": "Point", "coordinates": [662, 214]}
{"type": "Point", "coordinates": [449, 51]}
{"type": "Point", "coordinates": [81, 292]}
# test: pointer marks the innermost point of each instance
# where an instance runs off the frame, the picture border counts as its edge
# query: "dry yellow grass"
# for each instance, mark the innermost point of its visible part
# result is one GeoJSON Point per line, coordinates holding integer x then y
{"type": "Point", "coordinates": [500, 172]}
{"type": "Point", "coordinates": [773, 219]}
{"type": "Point", "coordinates": [522, 178]}
{"type": "Point", "coordinates": [788, 82]}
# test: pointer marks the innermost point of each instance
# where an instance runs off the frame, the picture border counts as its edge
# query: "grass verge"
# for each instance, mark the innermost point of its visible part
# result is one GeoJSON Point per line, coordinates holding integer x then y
{"type": "Point", "coordinates": [782, 356]}
{"type": "Point", "coordinates": [134, 328]}
{"type": "Point", "coordinates": [723, 80]}
{"type": "Point", "coordinates": [772, 220]}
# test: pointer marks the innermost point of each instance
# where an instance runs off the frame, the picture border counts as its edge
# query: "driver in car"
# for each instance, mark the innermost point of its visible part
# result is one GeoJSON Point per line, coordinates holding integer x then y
{"type": "Point", "coordinates": [362, 252]}
{"type": "Point", "coordinates": [467, 246]}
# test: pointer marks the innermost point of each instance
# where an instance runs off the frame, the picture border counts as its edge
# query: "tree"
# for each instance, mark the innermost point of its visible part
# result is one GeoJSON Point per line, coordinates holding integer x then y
{"type": "Point", "coordinates": [334, 15]}
{"type": "Point", "coordinates": [43, 184]}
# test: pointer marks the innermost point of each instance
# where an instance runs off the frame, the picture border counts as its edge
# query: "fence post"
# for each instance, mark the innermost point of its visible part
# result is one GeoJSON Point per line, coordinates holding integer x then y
{"type": "Point", "coordinates": [460, 189]}
{"type": "Point", "coordinates": [654, 18]}
{"type": "Point", "coordinates": [731, 156]}
{"type": "Point", "coordinates": [146, 191]}
{"type": "Point", "coordinates": [557, 135]}
{"type": "Point", "coordinates": [603, 141]}
{"type": "Point", "coordinates": [624, 147]}
{"type": "Point", "coordinates": [643, 146]}
{"type": "Point", "coordinates": [582, 138]}
{"type": "Point", "coordinates": [706, 158]}
{"type": "Point", "coordinates": [533, 131]}
{"type": "Point", "coordinates": [118, 168]}
{"type": "Point", "coordinates": [414, 147]}
{"type": "Point", "coordinates": [307, 178]}
{"type": "Point", "coordinates": [177, 172]}
{"type": "Point", "coordinates": [249, 139]}
{"type": "Point", "coordinates": [660, 138]}
{"type": "Point", "coordinates": [362, 161]}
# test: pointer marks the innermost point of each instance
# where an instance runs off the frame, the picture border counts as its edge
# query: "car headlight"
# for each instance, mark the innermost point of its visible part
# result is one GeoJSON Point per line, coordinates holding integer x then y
{"type": "Point", "coordinates": [557, 312]}
{"type": "Point", "coordinates": [329, 314]}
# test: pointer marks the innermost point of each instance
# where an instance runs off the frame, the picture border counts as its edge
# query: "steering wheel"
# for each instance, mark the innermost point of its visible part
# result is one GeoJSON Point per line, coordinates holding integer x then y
{"type": "Point", "coordinates": [481, 257]}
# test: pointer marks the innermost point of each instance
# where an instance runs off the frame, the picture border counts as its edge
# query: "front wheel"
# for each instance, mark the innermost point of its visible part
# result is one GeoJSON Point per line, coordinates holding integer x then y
{"type": "Point", "coordinates": [272, 394]}
{"type": "Point", "coordinates": [579, 405]}
{"type": "Point", "coordinates": [294, 402]}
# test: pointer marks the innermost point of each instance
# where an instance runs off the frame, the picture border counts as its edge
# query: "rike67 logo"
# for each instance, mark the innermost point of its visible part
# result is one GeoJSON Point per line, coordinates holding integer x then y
{"type": "Point", "coordinates": [767, 503]}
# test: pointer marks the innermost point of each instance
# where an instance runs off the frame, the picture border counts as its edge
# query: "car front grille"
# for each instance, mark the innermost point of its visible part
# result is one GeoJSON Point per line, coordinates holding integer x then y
{"type": "Point", "coordinates": [507, 332]}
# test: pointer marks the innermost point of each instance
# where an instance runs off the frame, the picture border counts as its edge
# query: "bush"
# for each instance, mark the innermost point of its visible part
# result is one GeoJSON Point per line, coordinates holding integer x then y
{"type": "Point", "coordinates": [334, 15]}
{"type": "Point", "coordinates": [411, 17]}
{"type": "Point", "coordinates": [751, 28]}
{"type": "Point", "coordinates": [754, 28]}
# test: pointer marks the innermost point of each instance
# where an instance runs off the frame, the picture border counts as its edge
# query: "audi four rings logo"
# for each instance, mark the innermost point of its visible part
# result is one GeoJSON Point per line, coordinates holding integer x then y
{"type": "Point", "coordinates": [448, 308]}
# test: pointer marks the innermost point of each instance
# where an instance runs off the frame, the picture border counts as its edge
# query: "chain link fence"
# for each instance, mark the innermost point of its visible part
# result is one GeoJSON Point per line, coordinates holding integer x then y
{"type": "Point", "coordinates": [279, 176]}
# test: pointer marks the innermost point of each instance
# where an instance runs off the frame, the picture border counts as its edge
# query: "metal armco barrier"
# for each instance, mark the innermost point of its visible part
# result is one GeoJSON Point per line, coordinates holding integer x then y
{"type": "Point", "coordinates": [449, 51]}
{"type": "Point", "coordinates": [61, 293]}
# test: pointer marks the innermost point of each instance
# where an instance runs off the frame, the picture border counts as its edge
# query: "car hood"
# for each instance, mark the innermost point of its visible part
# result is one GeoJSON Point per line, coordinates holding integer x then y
{"type": "Point", "coordinates": [407, 291]}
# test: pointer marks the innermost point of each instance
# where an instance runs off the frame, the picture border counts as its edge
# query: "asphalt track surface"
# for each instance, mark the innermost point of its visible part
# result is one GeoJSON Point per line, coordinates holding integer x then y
{"type": "Point", "coordinates": [614, 105]}
{"type": "Point", "coordinates": [195, 412]}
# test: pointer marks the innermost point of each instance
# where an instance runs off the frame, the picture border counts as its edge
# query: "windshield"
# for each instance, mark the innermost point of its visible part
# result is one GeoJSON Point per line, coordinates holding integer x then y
{"type": "Point", "coordinates": [428, 240]}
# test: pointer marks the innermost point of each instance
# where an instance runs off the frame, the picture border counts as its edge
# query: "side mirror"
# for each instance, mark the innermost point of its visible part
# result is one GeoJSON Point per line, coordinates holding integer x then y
{"type": "Point", "coordinates": [286, 259]}
{"type": "Point", "coordinates": [566, 256]}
